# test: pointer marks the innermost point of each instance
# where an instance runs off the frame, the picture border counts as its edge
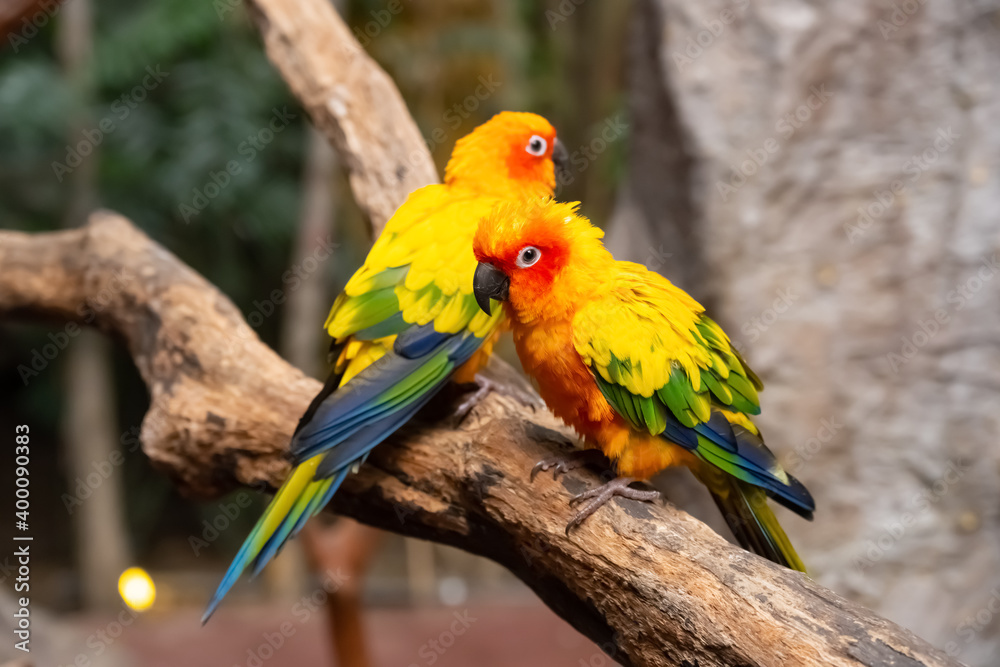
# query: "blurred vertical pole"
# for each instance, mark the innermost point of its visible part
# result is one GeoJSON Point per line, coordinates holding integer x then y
{"type": "Point", "coordinates": [305, 310]}
{"type": "Point", "coordinates": [74, 43]}
{"type": "Point", "coordinates": [302, 335]}
{"type": "Point", "coordinates": [89, 426]}
{"type": "Point", "coordinates": [421, 571]}
{"type": "Point", "coordinates": [90, 438]}
{"type": "Point", "coordinates": [339, 555]}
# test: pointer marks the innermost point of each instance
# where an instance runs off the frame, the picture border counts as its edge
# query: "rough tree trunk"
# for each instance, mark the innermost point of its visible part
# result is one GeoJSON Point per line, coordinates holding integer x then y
{"type": "Point", "coordinates": [856, 267]}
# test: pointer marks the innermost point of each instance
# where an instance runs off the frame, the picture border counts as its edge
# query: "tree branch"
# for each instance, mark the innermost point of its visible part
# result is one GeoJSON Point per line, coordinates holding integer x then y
{"type": "Point", "coordinates": [350, 99]}
{"type": "Point", "coordinates": [649, 584]}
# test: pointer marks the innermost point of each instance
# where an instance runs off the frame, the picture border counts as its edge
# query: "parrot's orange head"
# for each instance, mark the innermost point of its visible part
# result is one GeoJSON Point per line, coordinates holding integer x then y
{"type": "Point", "coordinates": [540, 256]}
{"type": "Point", "coordinates": [512, 154]}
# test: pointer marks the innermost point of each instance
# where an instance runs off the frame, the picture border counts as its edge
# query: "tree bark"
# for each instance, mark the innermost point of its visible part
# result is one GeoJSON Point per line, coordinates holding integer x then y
{"type": "Point", "coordinates": [843, 162]}
{"type": "Point", "coordinates": [648, 583]}
{"type": "Point", "coordinates": [350, 99]}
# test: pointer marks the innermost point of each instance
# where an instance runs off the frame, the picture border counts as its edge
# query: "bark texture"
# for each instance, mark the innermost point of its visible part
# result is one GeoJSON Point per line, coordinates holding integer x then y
{"type": "Point", "coordinates": [350, 99]}
{"type": "Point", "coordinates": [843, 161]}
{"type": "Point", "coordinates": [648, 583]}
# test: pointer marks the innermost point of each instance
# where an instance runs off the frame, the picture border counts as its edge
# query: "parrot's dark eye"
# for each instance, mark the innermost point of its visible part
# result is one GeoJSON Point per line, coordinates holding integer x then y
{"type": "Point", "coordinates": [536, 145]}
{"type": "Point", "coordinates": [528, 256]}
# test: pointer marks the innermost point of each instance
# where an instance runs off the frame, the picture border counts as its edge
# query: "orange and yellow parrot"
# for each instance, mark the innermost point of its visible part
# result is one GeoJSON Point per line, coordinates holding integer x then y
{"type": "Point", "coordinates": [635, 366]}
{"type": "Point", "coordinates": [406, 322]}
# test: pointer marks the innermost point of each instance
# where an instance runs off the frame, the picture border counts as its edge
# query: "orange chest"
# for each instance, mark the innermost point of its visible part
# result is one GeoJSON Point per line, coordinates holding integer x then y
{"type": "Point", "coordinates": [564, 382]}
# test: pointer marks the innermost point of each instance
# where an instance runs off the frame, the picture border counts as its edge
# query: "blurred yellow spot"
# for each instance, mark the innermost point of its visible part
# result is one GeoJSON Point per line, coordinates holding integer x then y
{"type": "Point", "coordinates": [137, 589]}
{"type": "Point", "coordinates": [968, 521]}
{"type": "Point", "coordinates": [827, 275]}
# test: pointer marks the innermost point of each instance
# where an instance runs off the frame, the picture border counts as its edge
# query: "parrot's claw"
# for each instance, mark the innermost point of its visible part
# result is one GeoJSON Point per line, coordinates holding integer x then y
{"type": "Point", "coordinates": [484, 387]}
{"type": "Point", "coordinates": [562, 464]}
{"type": "Point", "coordinates": [619, 486]}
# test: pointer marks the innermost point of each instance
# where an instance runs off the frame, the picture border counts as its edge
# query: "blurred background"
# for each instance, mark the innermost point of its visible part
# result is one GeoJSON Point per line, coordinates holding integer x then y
{"type": "Point", "coordinates": [824, 179]}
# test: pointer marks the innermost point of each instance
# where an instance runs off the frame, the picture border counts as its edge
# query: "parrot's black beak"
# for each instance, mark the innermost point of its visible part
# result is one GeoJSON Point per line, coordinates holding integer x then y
{"type": "Point", "coordinates": [489, 283]}
{"type": "Point", "coordinates": [560, 158]}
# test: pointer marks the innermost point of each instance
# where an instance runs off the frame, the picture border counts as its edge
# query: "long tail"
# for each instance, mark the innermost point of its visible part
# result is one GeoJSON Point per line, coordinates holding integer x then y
{"type": "Point", "coordinates": [340, 428]}
{"type": "Point", "coordinates": [298, 499]}
{"type": "Point", "coordinates": [745, 509]}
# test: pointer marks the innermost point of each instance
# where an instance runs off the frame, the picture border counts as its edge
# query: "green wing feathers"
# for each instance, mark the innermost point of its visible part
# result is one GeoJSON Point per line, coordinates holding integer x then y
{"type": "Point", "coordinates": [419, 271]}
{"type": "Point", "coordinates": [669, 370]}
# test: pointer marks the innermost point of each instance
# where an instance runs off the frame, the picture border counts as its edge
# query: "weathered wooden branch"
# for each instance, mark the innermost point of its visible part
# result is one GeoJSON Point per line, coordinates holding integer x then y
{"type": "Point", "coordinates": [649, 584]}
{"type": "Point", "coordinates": [350, 99]}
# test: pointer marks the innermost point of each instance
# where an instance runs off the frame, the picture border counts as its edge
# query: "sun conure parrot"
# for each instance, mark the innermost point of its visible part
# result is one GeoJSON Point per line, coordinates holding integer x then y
{"type": "Point", "coordinates": [634, 365]}
{"type": "Point", "coordinates": [406, 322]}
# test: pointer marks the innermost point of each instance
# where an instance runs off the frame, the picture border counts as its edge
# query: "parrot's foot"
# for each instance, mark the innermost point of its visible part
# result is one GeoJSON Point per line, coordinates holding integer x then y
{"type": "Point", "coordinates": [619, 486]}
{"type": "Point", "coordinates": [484, 387]}
{"type": "Point", "coordinates": [563, 463]}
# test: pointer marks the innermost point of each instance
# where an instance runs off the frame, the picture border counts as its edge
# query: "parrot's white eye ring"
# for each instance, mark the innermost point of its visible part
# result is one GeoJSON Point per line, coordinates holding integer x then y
{"type": "Point", "coordinates": [528, 256]}
{"type": "Point", "coordinates": [537, 145]}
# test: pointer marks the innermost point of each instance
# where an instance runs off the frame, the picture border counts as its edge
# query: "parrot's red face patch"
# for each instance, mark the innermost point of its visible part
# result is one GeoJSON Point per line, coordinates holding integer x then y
{"type": "Point", "coordinates": [530, 152]}
{"type": "Point", "coordinates": [535, 281]}
{"type": "Point", "coordinates": [512, 154]}
{"type": "Point", "coordinates": [527, 245]}
{"type": "Point", "coordinates": [541, 246]}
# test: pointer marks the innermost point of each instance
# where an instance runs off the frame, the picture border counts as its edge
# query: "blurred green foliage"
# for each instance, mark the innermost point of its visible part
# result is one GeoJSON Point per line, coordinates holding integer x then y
{"type": "Point", "coordinates": [169, 96]}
